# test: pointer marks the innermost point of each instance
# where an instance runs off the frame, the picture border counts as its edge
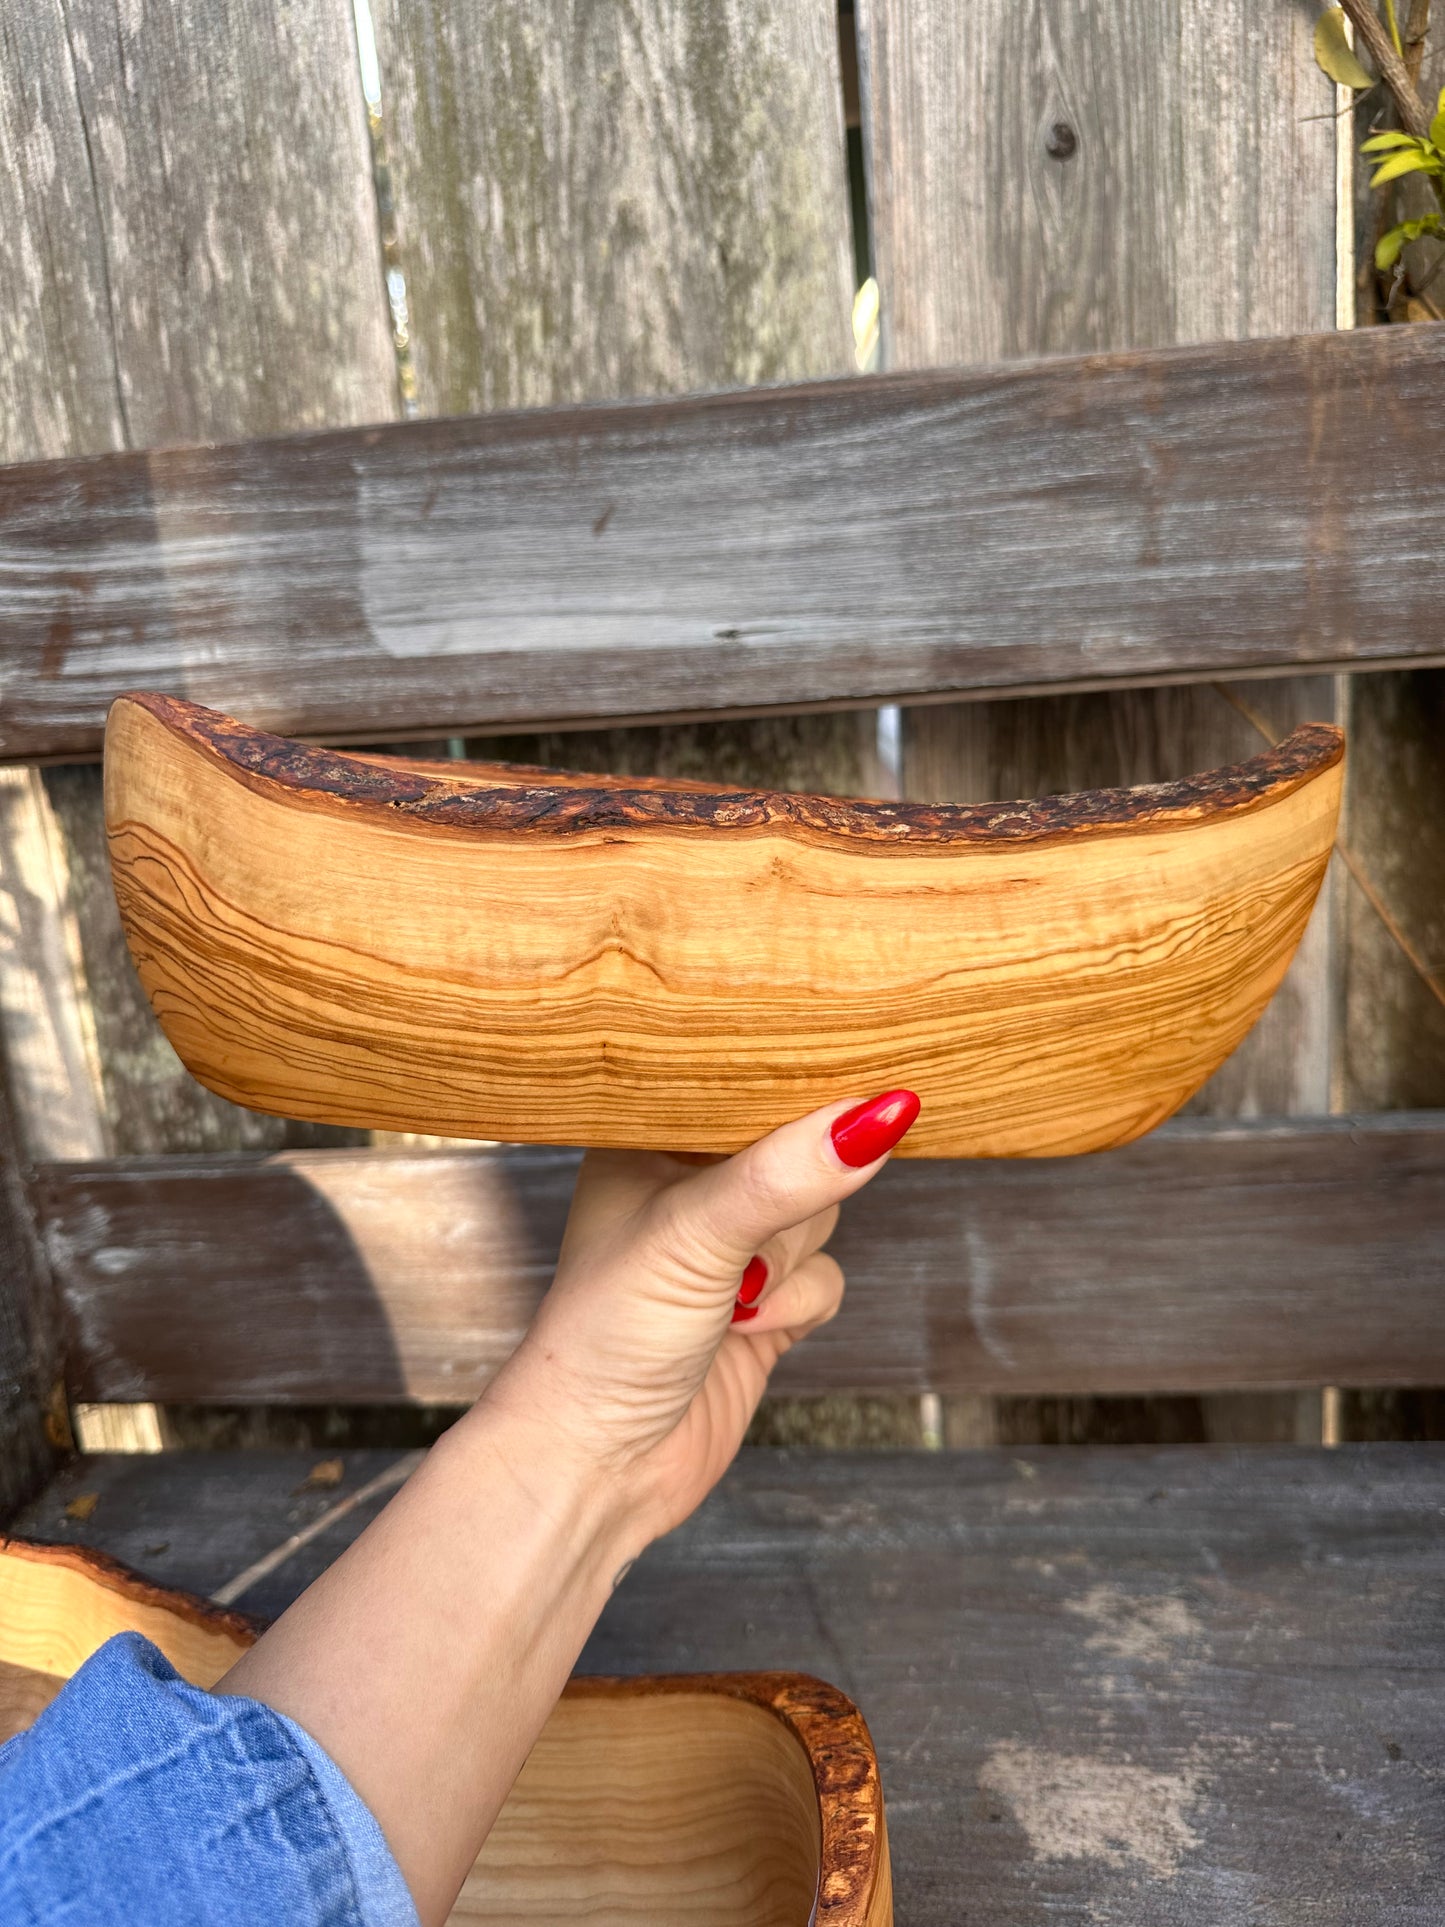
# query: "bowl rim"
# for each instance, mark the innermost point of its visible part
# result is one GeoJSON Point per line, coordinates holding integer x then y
{"type": "Point", "coordinates": [513, 801]}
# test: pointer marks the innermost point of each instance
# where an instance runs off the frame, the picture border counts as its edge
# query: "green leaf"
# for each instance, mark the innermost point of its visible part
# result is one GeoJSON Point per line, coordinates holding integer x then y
{"type": "Point", "coordinates": [1390, 248]}
{"type": "Point", "coordinates": [1398, 164]}
{"type": "Point", "coordinates": [1437, 130]}
{"type": "Point", "coordinates": [1335, 54]}
{"type": "Point", "coordinates": [1393, 244]}
{"type": "Point", "coordinates": [1381, 143]}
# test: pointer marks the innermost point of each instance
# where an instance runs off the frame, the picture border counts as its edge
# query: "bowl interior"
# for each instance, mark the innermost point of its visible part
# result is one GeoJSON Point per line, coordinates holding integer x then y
{"type": "Point", "coordinates": [677, 1807]}
{"type": "Point", "coordinates": [637, 1805]}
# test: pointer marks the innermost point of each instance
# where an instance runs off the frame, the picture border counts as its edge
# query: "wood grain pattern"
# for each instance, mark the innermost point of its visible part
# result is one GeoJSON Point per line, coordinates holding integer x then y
{"type": "Point", "coordinates": [1206, 516]}
{"type": "Point", "coordinates": [505, 953]}
{"type": "Point", "coordinates": [602, 200]}
{"type": "Point", "coordinates": [1212, 1256]}
{"type": "Point", "coordinates": [964, 752]}
{"type": "Point", "coordinates": [709, 1799]}
{"type": "Point", "coordinates": [691, 1800]}
{"type": "Point", "coordinates": [148, 1102]}
{"type": "Point", "coordinates": [1149, 1685]}
{"type": "Point", "coordinates": [260, 280]}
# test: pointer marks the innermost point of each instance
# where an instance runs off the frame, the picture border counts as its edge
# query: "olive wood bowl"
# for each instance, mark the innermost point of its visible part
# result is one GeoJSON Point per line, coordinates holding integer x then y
{"type": "Point", "coordinates": [491, 951]}
{"type": "Point", "coordinates": [714, 1800]}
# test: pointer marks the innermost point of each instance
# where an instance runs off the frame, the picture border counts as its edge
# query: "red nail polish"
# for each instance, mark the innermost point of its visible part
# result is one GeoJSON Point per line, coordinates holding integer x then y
{"type": "Point", "coordinates": [868, 1130]}
{"type": "Point", "coordinates": [754, 1278]}
{"type": "Point", "coordinates": [742, 1313]}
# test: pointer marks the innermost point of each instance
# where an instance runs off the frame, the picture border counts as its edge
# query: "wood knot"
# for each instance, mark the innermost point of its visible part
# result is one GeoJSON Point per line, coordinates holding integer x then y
{"type": "Point", "coordinates": [1061, 142]}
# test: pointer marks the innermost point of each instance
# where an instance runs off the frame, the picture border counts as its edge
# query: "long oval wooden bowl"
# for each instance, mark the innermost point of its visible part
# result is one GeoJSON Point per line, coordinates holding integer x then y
{"type": "Point", "coordinates": [705, 1800]}
{"type": "Point", "coordinates": [491, 951]}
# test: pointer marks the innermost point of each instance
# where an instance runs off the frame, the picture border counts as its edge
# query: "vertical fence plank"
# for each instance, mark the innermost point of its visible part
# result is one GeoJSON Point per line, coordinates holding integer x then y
{"type": "Point", "coordinates": [1392, 1042]}
{"type": "Point", "coordinates": [31, 1398]}
{"type": "Point", "coordinates": [1059, 177]}
{"type": "Point", "coordinates": [187, 193]}
{"type": "Point", "coordinates": [1392, 1045]}
{"type": "Point", "coordinates": [1392, 1030]}
{"type": "Point", "coordinates": [596, 199]}
{"type": "Point", "coordinates": [58, 390]}
{"type": "Point", "coordinates": [188, 230]}
{"type": "Point", "coordinates": [1114, 175]}
{"type": "Point", "coordinates": [55, 1078]}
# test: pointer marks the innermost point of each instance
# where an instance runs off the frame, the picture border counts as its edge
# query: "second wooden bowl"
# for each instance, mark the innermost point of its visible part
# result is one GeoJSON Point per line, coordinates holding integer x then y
{"type": "Point", "coordinates": [714, 1800]}
{"type": "Point", "coordinates": [496, 952]}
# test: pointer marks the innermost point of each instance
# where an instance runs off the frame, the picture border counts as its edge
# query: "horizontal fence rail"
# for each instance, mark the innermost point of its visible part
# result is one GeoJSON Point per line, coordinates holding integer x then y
{"type": "Point", "coordinates": [1210, 1256]}
{"type": "Point", "coordinates": [1170, 515]}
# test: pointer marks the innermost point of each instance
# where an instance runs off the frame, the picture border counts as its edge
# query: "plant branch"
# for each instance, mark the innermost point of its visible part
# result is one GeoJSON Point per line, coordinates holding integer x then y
{"type": "Point", "coordinates": [1416, 28]}
{"type": "Point", "coordinates": [1390, 67]}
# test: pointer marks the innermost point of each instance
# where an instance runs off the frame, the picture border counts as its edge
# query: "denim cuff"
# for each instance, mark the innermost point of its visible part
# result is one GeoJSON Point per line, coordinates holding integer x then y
{"type": "Point", "coordinates": [138, 1797]}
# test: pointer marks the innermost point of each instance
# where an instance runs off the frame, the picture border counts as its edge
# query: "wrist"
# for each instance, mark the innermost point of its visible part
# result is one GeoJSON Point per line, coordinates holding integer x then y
{"type": "Point", "coordinates": [514, 1442]}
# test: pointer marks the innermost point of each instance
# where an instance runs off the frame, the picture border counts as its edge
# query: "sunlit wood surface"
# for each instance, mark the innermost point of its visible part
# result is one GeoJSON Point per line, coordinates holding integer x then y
{"type": "Point", "coordinates": [492, 952]}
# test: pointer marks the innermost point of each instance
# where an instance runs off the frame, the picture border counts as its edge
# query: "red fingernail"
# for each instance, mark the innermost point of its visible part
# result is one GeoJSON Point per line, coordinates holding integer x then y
{"type": "Point", "coordinates": [742, 1313]}
{"type": "Point", "coordinates": [754, 1278]}
{"type": "Point", "coordinates": [868, 1130]}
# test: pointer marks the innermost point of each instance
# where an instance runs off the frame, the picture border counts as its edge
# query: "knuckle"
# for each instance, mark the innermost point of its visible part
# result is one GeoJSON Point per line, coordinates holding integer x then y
{"type": "Point", "coordinates": [827, 1293]}
{"type": "Point", "coordinates": [769, 1186]}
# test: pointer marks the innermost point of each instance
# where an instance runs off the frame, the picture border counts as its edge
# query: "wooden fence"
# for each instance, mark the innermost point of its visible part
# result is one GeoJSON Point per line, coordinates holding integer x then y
{"type": "Point", "coordinates": [207, 236]}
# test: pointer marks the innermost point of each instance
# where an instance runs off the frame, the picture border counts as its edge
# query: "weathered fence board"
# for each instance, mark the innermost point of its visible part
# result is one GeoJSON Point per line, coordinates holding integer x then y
{"type": "Point", "coordinates": [1188, 196]}
{"type": "Point", "coordinates": [1107, 177]}
{"type": "Point", "coordinates": [596, 198]}
{"type": "Point", "coordinates": [188, 233]}
{"type": "Point", "coordinates": [1393, 1054]}
{"type": "Point", "coordinates": [1214, 1255]}
{"type": "Point", "coordinates": [1393, 1021]}
{"type": "Point", "coordinates": [32, 1422]}
{"type": "Point", "coordinates": [1169, 515]}
{"type": "Point", "coordinates": [55, 1075]}
{"type": "Point", "coordinates": [187, 225]}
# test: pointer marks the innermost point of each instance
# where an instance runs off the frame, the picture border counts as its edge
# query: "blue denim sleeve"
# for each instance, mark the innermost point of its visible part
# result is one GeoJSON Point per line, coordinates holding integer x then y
{"type": "Point", "coordinates": [136, 1797]}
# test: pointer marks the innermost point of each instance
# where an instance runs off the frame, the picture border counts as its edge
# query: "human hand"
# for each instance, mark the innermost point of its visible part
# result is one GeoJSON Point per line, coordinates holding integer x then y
{"type": "Point", "coordinates": [677, 1291]}
{"type": "Point", "coordinates": [426, 1659]}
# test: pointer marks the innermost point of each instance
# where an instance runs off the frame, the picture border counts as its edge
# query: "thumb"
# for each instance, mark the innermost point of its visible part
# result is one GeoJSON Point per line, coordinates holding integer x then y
{"type": "Point", "coordinates": [725, 1213]}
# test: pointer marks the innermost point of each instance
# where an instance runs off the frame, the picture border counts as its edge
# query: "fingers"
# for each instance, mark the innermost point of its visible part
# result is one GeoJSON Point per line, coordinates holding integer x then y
{"type": "Point", "coordinates": [784, 1253]}
{"type": "Point", "coordinates": [801, 1301]}
{"type": "Point", "coordinates": [726, 1213]}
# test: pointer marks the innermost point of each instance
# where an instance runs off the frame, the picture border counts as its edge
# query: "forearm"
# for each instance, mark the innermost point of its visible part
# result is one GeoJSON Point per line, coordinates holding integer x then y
{"type": "Point", "coordinates": [426, 1660]}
